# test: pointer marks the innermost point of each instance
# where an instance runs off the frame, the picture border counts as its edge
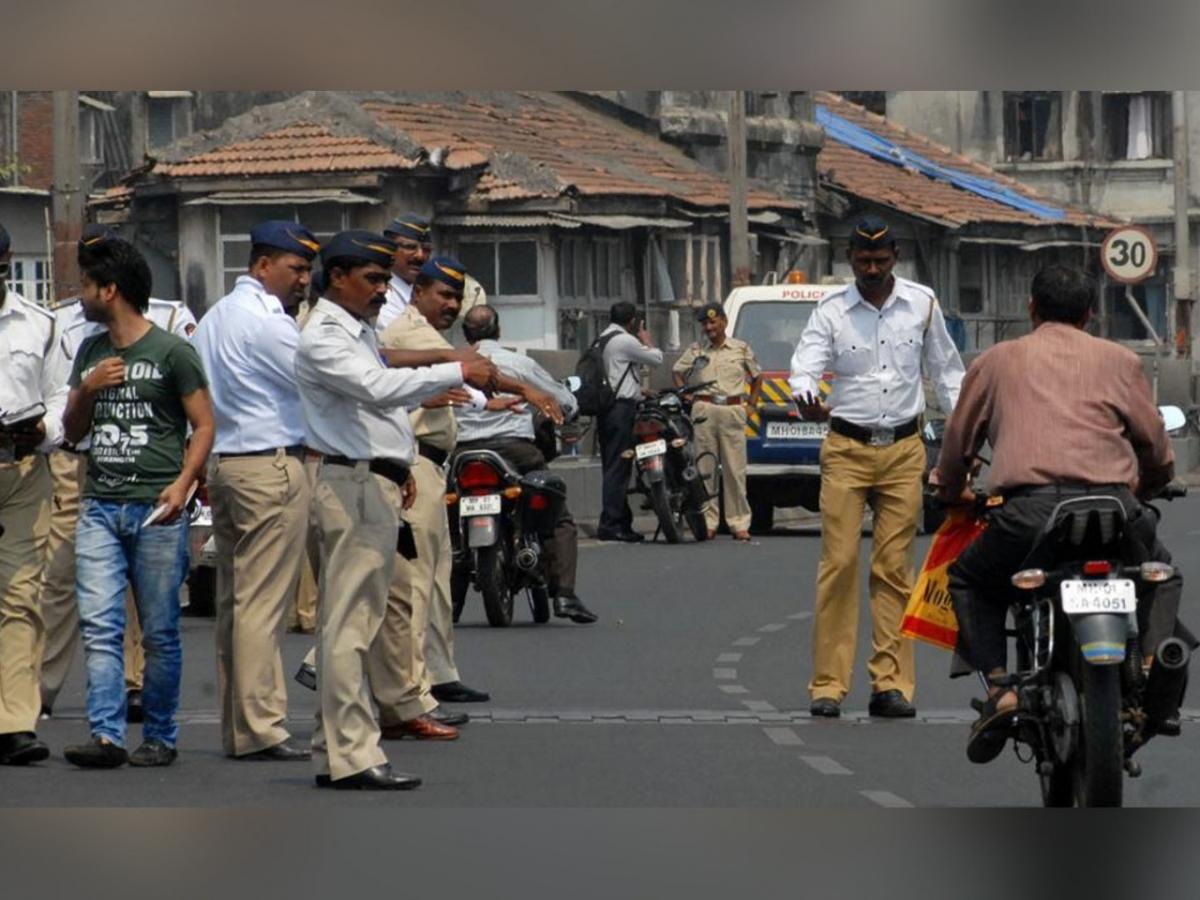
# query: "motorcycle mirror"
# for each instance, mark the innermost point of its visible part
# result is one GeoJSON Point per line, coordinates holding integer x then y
{"type": "Point", "coordinates": [1173, 417]}
{"type": "Point", "coordinates": [572, 383]}
{"type": "Point", "coordinates": [697, 364]}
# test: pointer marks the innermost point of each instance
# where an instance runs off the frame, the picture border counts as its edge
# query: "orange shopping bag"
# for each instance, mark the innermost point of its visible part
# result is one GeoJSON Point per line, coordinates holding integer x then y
{"type": "Point", "coordinates": [929, 615]}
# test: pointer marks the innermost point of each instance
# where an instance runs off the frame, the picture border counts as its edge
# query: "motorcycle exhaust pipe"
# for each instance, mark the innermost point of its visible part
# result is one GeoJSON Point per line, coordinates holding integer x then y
{"type": "Point", "coordinates": [1165, 686]}
{"type": "Point", "coordinates": [527, 559]}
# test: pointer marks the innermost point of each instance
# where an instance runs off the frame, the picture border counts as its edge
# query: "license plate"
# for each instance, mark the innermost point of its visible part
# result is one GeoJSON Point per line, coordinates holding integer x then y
{"type": "Point", "coordinates": [485, 505]}
{"type": "Point", "coordinates": [1115, 596]}
{"type": "Point", "coordinates": [651, 448]}
{"type": "Point", "coordinates": [796, 431]}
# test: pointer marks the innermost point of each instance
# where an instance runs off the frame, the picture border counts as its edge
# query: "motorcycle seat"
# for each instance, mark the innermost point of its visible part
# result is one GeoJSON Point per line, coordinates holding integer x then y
{"type": "Point", "coordinates": [545, 480]}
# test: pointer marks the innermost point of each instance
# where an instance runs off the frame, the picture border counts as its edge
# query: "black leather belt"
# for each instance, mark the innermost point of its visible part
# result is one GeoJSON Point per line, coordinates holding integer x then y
{"type": "Point", "coordinates": [882, 436]}
{"type": "Point", "coordinates": [1074, 488]}
{"type": "Point", "coordinates": [296, 450]}
{"type": "Point", "coordinates": [393, 471]}
{"type": "Point", "coordinates": [432, 453]}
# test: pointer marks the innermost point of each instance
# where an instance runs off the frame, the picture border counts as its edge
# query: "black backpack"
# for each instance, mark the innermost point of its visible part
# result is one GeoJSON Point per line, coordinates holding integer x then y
{"type": "Point", "coordinates": [595, 394]}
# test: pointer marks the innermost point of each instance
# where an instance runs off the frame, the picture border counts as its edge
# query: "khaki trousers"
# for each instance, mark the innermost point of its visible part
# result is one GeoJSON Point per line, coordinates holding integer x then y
{"type": "Point", "coordinates": [60, 611]}
{"type": "Point", "coordinates": [400, 680]}
{"type": "Point", "coordinates": [851, 470]}
{"type": "Point", "coordinates": [302, 611]}
{"type": "Point", "coordinates": [723, 433]}
{"type": "Point", "coordinates": [260, 521]}
{"type": "Point", "coordinates": [25, 515]}
{"type": "Point", "coordinates": [356, 516]}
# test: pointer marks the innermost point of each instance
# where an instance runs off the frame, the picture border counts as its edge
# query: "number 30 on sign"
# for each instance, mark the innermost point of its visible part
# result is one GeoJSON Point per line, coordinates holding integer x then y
{"type": "Point", "coordinates": [1129, 254]}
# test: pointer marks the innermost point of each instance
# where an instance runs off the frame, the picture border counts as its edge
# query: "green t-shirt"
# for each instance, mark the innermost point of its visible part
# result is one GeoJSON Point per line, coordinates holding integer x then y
{"type": "Point", "coordinates": [139, 428]}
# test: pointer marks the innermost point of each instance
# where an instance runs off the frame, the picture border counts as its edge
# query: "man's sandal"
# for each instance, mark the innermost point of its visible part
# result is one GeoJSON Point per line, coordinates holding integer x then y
{"type": "Point", "coordinates": [991, 731]}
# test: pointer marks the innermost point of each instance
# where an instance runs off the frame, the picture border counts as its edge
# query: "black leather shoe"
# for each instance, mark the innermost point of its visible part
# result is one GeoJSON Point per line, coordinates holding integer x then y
{"type": "Point", "coordinates": [629, 537]}
{"type": "Point", "coordinates": [449, 716]}
{"type": "Point", "coordinates": [21, 748]}
{"type": "Point", "coordinates": [568, 607]}
{"type": "Point", "coordinates": [457, 692]}
{"type": "Point", "coordinates": [307, 676]}
{"type": "Point", "coordinates": [134, 711]}
{"type": "Point", "coordinates": [96, 754]}
{"type": "Point", "coordinates": [377, 778]}
{"type": "Point", "coordinates": [890, 705]}
{"type": "Point", "coordinates": [284, 752]}
{"type": "Point", "coordinates": [825, 708]}
{"type": "Point", "coordinates": [153, 753]}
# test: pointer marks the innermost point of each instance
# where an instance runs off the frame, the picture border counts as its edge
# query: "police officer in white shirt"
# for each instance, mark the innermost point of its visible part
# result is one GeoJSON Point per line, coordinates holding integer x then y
{"type": "Point", "coordinates": [875, 335]}
{"type": "Point", "coordinates": [624, 355]}
{"type": "Point", "coordinates": [68, 465]}
{"type": "Point", "coordinates": [413, 247]}
{"type": "Point", "coordinates": [356, 413]}
{"type": "Point", "coordinates": [33, 394]}
{"type": "Point", "coordinates": [257, 485]}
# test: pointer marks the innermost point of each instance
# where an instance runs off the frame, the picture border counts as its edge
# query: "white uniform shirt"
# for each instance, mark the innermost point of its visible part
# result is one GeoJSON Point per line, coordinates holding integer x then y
{"type": "Point", "coordinates": [399, 295]}
{"type": "Point", "coordinates": [172, 316]}
{"type": "Point", "coordinates": [875, 355]}
{"type": "Point", "coordinates": [625, 353]}
{"type": "Point", "coordinates": [32, 366]}
{"type": "Point", "coordinates": [354, 405]}
{"type": "Point", "coordinates": [247, 344]}
{"type": "Point", "coordinates": [476, 424]}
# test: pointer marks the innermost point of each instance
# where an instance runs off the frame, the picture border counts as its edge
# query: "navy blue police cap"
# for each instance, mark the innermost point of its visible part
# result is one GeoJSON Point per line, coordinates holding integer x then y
{"type": "Point", "coordinates": [287, 236]}
{"type": "Point", "coordinates": [5, 240]}
{"type": "Point", "coordinates": [710, 311]}
{"type": "Point", "coordinates": [409, 225]}
{"type": "Point", "coordinates": [364, 246]}
{"type": "Point", "coordinates": [446, 270]}
{"type": "Point", "coordinates": [871, 233]}
{"type": "Point", "coordinates": [94, 234]}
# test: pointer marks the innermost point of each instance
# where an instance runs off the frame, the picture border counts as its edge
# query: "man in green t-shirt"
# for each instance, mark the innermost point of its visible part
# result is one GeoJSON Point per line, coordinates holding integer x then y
{"type": "Point", "coordinates": [134, 390]}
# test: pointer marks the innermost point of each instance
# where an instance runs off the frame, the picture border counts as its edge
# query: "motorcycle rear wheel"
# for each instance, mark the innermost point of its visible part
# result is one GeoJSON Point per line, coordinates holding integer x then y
{"type": "Point", "coordinates": [662, 509]}
{"type": "Point", "coordinates": [1099, 763]}
{"type": "Point", "coordinates": [693, 514]}
{"type": "Point", "coordinates": [497, 598]}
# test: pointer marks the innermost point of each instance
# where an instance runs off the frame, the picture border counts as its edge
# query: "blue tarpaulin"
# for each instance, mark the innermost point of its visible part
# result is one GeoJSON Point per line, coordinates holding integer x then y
{"type": "Point", "coordinates": [865, 141]}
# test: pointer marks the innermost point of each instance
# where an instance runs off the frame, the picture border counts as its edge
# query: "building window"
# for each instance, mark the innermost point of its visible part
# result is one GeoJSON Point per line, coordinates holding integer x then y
{"type": "Point", "coordinates": [970, 279]}
{"type": "Point", "coordinates": [166, 117]}
{"type": "Point", "coordinates": [32, 278]}
{"type": "Point", "coordinates": [1032, 125]}
{"type": "Point", "coordinates": [324, 220]}
{"type": "Point", "coordinates": [688, 268]}
{"type": "Point", "coordinates": [1137, 126]}
{"type": "Point", "coordinates": [504, 267]}
{"type": "Point", "coordinates": [871, 101]}
{"type": "Point", "coordinates": [89, 136]}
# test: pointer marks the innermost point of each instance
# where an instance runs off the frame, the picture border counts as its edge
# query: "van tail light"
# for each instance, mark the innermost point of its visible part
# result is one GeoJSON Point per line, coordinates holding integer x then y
{"type": "Point", "coordinates": [478, 475]}
{"type": "Point", "coordinates": [1097, 567]}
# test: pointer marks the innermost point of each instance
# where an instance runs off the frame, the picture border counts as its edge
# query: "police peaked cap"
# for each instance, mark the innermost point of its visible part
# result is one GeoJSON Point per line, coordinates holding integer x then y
{"type": "Point", "coordinates": [364, 246]}
{"type": "Point", "coordinates": [289, 237]}
{"type": "Point", "coordinates": [411, 226]}
{"type": "Point", "coordinates": [93, 234]}
{"type": "Point", "coordinates": [446, 270]}
{"type": "Point", "coordinates": [871, 233]}
{"type": "Point", "coordinates": [710, 311]}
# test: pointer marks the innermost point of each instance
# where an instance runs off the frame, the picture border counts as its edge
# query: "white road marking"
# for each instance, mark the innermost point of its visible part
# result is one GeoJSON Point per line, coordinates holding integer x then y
{"type": "Point", "coordinates": [773, 627]}
{"type": "Point", "coordinates": [725, 674]}
{"type": "Point", "coordinates": [733, 689]}
{"type": "Point", "coordinates": [800, 616]}
{"type": "Point", "coordinates": [759, 706]}
{"type": "Point", "coordinates": [887, 799]}
{"type": "Point", "coordinates": [746, 641]}
{"type": "Point", "coordinates": [729, 658]}
{"type": "Point", "coordinates": [826, 765]}
{"type": "Point", "coordinates": [784, 737]}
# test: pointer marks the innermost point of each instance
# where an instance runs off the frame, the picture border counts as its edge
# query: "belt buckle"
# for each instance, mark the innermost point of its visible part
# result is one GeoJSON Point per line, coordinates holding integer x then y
{"type": "Point", "coordinates": [883, 436]}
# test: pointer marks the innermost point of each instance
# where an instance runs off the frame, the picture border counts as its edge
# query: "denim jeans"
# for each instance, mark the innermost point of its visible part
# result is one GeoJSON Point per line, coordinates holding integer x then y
{"type": "Point", "coordinates": [112, 549]}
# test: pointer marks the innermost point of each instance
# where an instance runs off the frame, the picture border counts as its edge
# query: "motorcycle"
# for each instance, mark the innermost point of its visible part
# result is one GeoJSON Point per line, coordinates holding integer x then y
{"type": "Point", "coordinates": [667, 464]}
{"type": "Point", "coordinates": [498, 518]}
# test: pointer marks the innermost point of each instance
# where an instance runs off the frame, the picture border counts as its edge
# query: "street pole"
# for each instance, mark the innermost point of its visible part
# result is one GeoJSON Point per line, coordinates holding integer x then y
{"type": "Point", "coordinates": [739, 227]}
{"type": "Point", "coordinates": [1180, 324]}
{"type": "Point", "coordinates": [66, 204]}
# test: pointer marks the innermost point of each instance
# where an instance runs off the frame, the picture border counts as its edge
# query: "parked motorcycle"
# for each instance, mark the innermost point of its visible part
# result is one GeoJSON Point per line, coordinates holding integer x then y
{"type": "Point", "coordinates": [668, 467]}
{"type": "Point", "coordinates": [498, 518]}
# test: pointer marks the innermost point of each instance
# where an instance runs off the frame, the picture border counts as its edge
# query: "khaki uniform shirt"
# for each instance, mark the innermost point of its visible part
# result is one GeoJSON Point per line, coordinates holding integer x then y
{"type": "Point", "coordinates": [411, 331]}
{"type": "Point", "coordinates": [731, 366]}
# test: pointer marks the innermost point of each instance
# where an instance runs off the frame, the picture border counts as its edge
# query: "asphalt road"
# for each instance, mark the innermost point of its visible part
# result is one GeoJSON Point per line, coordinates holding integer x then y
{"type": "Point", "coordinates": [689, 692]}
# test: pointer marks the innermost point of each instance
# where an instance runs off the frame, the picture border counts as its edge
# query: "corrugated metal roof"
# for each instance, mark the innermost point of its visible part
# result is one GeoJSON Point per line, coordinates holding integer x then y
{"type": "Point", "coordinates": [503, 221]}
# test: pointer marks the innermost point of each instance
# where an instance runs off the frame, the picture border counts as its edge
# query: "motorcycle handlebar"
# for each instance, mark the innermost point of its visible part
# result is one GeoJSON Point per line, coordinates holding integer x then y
{"type": "Point", "coordinates": [686, 389]}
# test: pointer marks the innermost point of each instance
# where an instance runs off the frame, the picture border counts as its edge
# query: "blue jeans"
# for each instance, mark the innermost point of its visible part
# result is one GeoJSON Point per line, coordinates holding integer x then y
{"type": "Point", "coordinates": [113, 550]}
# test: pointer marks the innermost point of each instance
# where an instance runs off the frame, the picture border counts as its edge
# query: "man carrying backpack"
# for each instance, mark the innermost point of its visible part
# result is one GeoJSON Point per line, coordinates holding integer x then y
{"type": "Point", "coordinates": [622, 355]}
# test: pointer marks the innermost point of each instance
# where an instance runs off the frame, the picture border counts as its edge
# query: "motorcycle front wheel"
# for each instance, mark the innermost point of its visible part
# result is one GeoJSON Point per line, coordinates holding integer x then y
{"type": "Point", "coordinates": [497, 598]}
{"type": "Point", "coordinates": [661, 501]}
{"type": "Point", "coordinates": [539, 603]}
{"type": "Point", "coordinates": [460, 582]}
{"type": "Point", "coordinates": [1099, 763]}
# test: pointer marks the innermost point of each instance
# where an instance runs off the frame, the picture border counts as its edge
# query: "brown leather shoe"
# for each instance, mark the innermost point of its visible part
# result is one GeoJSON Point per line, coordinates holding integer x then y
{"type": "Point", "coordinates": [422, 728]}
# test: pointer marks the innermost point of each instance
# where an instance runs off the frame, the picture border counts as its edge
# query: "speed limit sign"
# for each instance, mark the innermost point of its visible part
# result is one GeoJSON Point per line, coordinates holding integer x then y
{"type": "Point", "coordinates": [1129, 254]}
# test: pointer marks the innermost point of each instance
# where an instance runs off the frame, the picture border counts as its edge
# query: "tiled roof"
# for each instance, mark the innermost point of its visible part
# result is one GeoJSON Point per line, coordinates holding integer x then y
{"type": "Point", "coordinates": [531, 145]}
{"type": "Point", "coordinates": [916, 194]}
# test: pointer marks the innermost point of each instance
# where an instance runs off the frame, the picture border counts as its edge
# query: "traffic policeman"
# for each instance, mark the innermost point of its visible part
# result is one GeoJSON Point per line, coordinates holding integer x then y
{"type": "Point", "coordinates": [355, 414]}
{"type": "Point", "coordinates": [33, 394]}
{"type": "Point", "coordinates": [257, 484]}
{"type": "Point", "coordinates": [875, 335]}
{"type": "Point", "coordinates": [722, 409]}
{"type": "Point", "coordinates": [68, 467]}
{"type": "Point", "coordinates": [411, 233]}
